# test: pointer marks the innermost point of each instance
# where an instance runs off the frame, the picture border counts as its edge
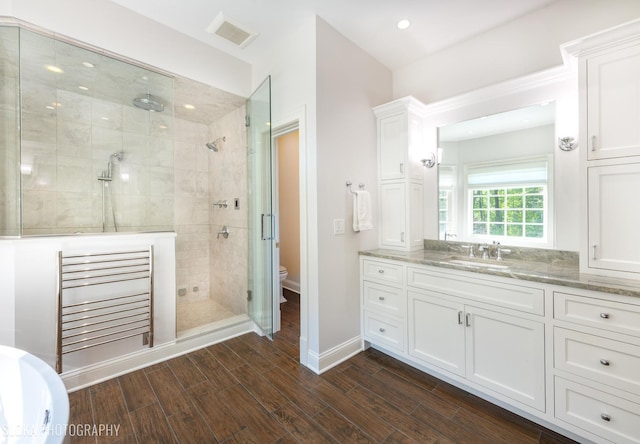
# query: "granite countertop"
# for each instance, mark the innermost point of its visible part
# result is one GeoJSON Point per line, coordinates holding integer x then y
{"type": "Point", "coordinates": [544, 266]}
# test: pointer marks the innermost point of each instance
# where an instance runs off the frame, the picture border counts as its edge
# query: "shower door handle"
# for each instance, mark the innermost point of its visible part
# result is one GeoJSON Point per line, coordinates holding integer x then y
{"type": "Point", "coordinates": [269, 231]}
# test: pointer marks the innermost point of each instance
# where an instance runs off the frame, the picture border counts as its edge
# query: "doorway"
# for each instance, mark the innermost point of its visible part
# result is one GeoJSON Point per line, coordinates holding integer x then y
{"type": "Point", "coordinates": [287, 206]}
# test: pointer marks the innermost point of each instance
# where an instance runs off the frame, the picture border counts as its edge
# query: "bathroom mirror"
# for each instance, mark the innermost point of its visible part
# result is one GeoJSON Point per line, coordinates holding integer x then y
{"type": "Point", "coordinates": [495, 178]}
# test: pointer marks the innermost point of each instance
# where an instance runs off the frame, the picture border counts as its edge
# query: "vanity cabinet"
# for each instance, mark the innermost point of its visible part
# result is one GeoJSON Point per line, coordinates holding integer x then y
{"type": "Point", "coordinates": [492, 347]}
{"type": "Point", "coordinates": [559, 355]}
{"type": "Point", "coordinates": [597, 364]}
{"type": "Point", "coordinates": [614, 217]}
{"type": "Point", "coordinates": [613, 103]}
{"type": "Point", "coordinates": [609, 81]}
{"type": "Point", "coordinates": [400, 141]}
{"type": "Point", "coordinates": [384, 303]}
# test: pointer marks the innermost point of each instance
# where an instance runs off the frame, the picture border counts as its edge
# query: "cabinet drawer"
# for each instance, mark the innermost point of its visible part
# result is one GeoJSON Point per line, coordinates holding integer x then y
{"type": "Point", "coordinates": [385, 299]}
{"type": "Point", "coordinates": [517, 297]}
{"type": "Point", "coordinates": [604, 360]}
{"type": "Point", "coordinates": [599, 313]}
{"type": "Point", "coordinates": [598, 412]}
{"type": "Point", "coordinates": [382, 271]}
{"type": "Point", "coordinates": [384, 330]}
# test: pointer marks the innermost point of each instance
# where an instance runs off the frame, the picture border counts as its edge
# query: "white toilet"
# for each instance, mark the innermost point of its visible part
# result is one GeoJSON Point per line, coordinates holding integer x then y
{"type": "Point", "coordinates": [283, 276]}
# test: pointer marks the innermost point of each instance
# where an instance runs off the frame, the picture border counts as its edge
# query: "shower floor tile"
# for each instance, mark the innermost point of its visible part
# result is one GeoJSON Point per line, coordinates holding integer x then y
{"type": "Point", "coordinates": [200, 313]}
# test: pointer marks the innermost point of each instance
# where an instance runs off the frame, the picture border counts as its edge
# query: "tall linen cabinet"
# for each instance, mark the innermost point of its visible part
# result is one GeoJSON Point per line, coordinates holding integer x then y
{"type": "Point", "coordinates": [401, 145]}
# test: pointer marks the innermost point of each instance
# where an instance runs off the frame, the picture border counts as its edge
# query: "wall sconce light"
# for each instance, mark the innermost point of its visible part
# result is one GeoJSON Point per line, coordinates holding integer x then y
{"type": "Point", "coordinates": [567, 143]}
{"type": "Point", "coordinates": [431, 160]}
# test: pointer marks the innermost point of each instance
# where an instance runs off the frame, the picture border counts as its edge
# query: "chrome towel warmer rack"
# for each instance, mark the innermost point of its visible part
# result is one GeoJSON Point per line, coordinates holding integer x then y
{"type": "Point", "coordinates": [103, 297]}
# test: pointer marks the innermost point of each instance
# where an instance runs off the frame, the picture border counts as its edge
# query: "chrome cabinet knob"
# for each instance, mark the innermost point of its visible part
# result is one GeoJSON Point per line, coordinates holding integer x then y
{"type": "Point", "coordinates": [605, 417]}
{"type": "Point", "coordinates": [604, 315]}
{"type": "Point", "coordinates": [382, 330]}
{"type": "Point", "coordinates": [381, 298]}
{"type": "Point", "coordinates": [605, 362]}
{"type": "Point", "coordinates": [381, 271]}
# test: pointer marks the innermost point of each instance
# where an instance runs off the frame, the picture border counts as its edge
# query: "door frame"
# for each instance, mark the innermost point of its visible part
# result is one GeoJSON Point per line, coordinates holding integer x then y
{"type": "Point", "coordinates": [292, 122]}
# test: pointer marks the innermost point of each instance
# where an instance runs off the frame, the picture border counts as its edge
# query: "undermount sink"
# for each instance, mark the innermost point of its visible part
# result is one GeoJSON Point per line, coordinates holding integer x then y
{"type": "Point", "coordinates": [479, 264]}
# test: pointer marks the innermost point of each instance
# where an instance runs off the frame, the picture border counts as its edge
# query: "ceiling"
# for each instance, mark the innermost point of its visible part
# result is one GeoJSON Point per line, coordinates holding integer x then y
{"type": "Point", "coordinates": [371, 24]}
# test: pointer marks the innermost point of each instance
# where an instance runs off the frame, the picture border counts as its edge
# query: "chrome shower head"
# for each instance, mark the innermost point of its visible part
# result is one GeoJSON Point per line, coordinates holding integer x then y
{"type": "Point", "coordinates": [213, 146]}
{"type": "Point", "coordinates": [148, 103]}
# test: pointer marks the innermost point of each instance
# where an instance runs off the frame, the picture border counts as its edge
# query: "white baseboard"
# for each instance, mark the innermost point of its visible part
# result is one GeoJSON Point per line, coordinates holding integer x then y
{"type": "Point", "coordinates": [322, 362]}
{"type": "Point", "coordinates": [93, 374]}
{"type": "Point", "coordinates": [291, 285]}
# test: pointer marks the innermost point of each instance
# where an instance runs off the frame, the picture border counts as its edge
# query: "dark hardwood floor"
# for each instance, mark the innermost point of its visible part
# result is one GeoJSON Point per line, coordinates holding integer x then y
{"type": "Point", "coordinates": [251, 390]}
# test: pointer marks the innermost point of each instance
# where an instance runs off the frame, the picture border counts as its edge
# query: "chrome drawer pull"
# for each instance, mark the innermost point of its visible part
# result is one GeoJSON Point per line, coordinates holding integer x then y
{"type": "Point", "coordinates": [604, 315]}
{"type": "Point", "coordinates": [460, 317]}
{"type": "Point", "coordinates": [605, 417]}
{"type": "Point", "coordinates": [382, 330]}
{"type": "Point", "coordinates": [381, 298]}
{"type": "Point", "coordinates": [381, 271]}
{"type": "Point", "coordinates": [604, 362]}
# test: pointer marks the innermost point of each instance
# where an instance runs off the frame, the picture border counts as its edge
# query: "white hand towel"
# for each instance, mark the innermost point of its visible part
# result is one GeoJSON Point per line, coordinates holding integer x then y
{"type": "Point", "coordinates": [362, 219]}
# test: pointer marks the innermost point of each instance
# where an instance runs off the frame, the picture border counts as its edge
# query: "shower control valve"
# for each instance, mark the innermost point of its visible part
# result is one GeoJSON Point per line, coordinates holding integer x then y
{"type": "Point", "coordinates": [221, 204]}
{"type": "Point", "coordinates": [224, 232]}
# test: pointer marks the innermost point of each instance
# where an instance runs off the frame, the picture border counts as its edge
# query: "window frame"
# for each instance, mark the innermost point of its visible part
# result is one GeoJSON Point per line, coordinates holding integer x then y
{"type": "Point", "coordinates": [548, 215]}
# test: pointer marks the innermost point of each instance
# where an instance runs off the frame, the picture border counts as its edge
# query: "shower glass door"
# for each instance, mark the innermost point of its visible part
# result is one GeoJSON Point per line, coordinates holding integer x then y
{"type": "Point", "coordinates": [261, 218]}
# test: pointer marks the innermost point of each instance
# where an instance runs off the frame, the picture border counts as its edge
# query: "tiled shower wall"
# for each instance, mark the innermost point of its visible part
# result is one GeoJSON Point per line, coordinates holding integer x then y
{"type": "Point", "coordinates": [9, 132]}
{"type": "Point", "coordinates": [191, 210]}
{"type": "Point", "coordinates": [209, 265]}
{"type": "Point", "coordinates": [228, 180]}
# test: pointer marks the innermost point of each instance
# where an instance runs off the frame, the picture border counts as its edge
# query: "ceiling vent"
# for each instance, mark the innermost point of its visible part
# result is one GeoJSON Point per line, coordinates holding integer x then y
{"type": "Point", "coordinates": [231, 31]}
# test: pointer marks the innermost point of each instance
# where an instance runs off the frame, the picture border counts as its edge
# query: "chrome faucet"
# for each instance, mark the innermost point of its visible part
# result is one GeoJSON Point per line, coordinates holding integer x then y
{"type": "Point", "coordinates": [471, 252]}
{"type": "Point", "coordinates": [485, 250]}
{"type": "Point", "coordinates": [500, 251]}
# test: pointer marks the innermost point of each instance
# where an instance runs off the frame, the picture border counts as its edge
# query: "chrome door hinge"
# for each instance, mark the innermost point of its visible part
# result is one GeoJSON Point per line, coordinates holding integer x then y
{"type": "Point", "coordinates": [247, 120]}
{"type": "Point", "coordinates": [249, 295]}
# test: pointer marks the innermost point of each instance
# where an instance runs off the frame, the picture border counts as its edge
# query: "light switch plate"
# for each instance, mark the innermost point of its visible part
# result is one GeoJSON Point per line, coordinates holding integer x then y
{"type": "Point", "coordinates": [338, 226]}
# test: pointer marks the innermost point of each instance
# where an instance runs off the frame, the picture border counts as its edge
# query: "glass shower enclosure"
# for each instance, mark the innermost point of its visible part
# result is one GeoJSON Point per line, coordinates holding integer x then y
{"type": "Point", "coordinates": [262, 223]}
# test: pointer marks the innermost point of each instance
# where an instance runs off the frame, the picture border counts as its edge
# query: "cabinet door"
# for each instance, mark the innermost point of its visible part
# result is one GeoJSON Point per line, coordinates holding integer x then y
{"type": "Point", "coordinates": [436, 331]}
{"type": "Point", "coordinates": [392, 215]}
{"type": "Point", "coordinates": [613, 104]}
{"type": "Point", "coordinates": [614, 217]}
{"type": "Point", "coordinates": [392, 134]}
{"type": "Point", "coordinates": [506, 353]}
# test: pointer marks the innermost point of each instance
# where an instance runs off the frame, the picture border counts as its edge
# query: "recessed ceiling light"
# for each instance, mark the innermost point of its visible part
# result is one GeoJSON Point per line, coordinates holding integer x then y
{"type": "Point", "coordinates": [53, 68]}
{"type": "Point", "coordinates": [88, 65]}
{"type": "Point", "coordinates": [403, 24]}
{"type": "Point", "coordinates": [104, 118]}
{"type": "Point", "coordinates": [187, 106]}
{"type": "Point", "coordinates": [84, 88]}
{"type": "Point", "coordinates": [50, 107]}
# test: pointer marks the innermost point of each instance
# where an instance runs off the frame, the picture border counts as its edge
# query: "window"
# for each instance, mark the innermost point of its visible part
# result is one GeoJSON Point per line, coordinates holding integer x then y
{"type": "Point", "coordinates": [446, 202]}
{"type": "Point", "coordinates": [509, 201]}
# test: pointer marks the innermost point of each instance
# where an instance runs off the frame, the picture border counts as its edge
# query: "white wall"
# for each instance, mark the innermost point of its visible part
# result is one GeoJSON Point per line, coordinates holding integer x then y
{"type": "Point", "coordinates": [7, 293]}
{"type": "Point", "coordinates": [35, 274]}
{"type": "Point", "coordinates": [523, 46]}
{"type": "Point", "coordinates": [116, 29]}
{"type": "Point", "coordinates": [333, 84]}
{"type": "Point", "coordinates": [349, 84]}
{"type": "Point", "coordinates": [292, 67]}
